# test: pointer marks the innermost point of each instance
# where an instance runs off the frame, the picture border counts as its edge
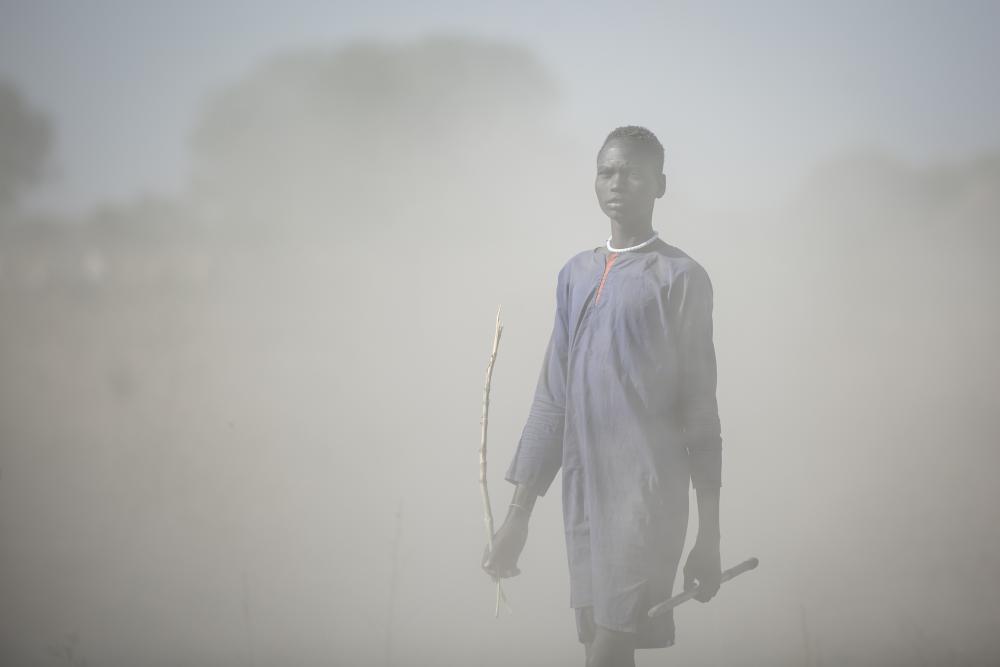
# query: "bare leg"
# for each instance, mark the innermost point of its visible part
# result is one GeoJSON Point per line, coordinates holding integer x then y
{"type": "Point", "coordinates": [610, 648]}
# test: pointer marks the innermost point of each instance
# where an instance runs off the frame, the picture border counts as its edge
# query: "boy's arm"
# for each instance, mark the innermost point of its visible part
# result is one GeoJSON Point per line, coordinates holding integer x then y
{"type": "Point", "coordinates": [704, 563]}
{"type": "Point", "coordinates": [539, 452]}
{"type": "Point", "coordinates": [699, 409]}
{"type": "Point", "coordinates": [708, 514]}
{"type": "Point", "coordinates": [513, 533]}
{"type": "Point", "coordinates": [700, 414]}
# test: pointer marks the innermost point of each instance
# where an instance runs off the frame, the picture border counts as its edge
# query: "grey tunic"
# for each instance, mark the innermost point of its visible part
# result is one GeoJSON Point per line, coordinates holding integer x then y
{"type": "Point", "coordinates": [625, 405]}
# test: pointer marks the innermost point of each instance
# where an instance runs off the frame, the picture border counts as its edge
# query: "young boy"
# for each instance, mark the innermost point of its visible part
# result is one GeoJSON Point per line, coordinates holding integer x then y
{"type": "Point", "coordinates": [626, 406]}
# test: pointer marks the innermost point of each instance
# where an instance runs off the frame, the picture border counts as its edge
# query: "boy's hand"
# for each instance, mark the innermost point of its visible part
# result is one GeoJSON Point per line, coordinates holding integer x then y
{"type": "Point", "coordinates": [507, 545]}
{"type": "Point", "coordinates": [704, 567]}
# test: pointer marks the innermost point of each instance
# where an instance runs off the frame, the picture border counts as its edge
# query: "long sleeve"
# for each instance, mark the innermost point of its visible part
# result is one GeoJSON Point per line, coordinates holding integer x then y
{"type": "Point", "coordinates": [699, 409]}
{"type": "Point", "coordinates": [539, 451]}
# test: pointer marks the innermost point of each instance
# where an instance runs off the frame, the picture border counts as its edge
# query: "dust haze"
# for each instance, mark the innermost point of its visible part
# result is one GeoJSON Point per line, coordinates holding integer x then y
{"type": "Point", "coordinates": [241, 426]}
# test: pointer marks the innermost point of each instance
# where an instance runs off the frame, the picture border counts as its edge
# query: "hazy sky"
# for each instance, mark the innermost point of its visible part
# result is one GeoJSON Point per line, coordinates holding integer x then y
{"type": "Point", "coordinates": [728, 86]}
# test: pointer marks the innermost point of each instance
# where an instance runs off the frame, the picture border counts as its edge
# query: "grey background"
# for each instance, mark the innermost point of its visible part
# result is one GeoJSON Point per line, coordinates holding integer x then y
{"type": "Point", "coordinates": [249, 264]}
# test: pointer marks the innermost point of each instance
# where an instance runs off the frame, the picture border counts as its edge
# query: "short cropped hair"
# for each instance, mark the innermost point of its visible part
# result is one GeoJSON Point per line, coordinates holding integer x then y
{"type": "Point", "coordinates": [639, 135]}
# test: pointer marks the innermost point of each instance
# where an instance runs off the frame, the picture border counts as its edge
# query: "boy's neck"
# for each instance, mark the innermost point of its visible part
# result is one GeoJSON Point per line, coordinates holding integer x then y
{"type": "Point", "coordinates": [626, 236]}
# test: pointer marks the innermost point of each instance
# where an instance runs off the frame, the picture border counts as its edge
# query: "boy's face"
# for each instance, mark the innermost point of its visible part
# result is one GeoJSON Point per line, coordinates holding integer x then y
{"type": "Point", "coordinates": [628, 181]}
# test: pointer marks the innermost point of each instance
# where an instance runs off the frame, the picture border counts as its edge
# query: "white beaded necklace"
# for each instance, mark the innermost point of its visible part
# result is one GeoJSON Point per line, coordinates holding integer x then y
{"type": "Point", "coordinates": [635, 247]}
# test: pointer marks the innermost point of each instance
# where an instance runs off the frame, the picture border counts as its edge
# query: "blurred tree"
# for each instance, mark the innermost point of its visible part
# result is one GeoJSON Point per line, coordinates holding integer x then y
{"type": "Point", "coordinates": [25, 143]}
{"type": "Point", "coordinates": [395, 133]}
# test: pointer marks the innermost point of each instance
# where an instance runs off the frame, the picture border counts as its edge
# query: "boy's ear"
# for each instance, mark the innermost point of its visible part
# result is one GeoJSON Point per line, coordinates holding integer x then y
{"type": "Point", "coordinates": [661, 186]}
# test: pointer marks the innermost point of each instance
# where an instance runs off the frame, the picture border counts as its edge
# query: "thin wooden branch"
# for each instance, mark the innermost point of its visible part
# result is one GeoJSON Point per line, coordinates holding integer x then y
{"type": "Point", "coordinates": [483, 486]}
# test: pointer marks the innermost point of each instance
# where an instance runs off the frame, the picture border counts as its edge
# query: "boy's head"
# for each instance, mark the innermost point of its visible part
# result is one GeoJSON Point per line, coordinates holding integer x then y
{"type": "Point", "coordinates": [630, 174]}
{"type": "Point", "coordinates": [640, 137]}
